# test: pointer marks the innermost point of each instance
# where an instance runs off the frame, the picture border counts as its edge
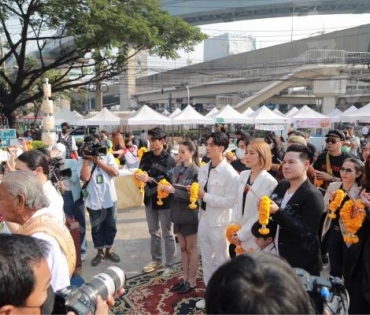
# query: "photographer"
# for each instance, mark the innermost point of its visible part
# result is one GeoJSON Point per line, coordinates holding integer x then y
{"type": "Point", "coordinates": [98, 171]}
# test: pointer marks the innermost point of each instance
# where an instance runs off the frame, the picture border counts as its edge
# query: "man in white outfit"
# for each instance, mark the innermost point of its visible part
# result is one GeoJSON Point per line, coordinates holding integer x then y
{"type": "Point", "coordinates": [218, 186]}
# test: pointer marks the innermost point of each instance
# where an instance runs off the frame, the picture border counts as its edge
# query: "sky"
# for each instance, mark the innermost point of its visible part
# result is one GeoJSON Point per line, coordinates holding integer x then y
{"type": "Point", "coordinates": [268, 32]}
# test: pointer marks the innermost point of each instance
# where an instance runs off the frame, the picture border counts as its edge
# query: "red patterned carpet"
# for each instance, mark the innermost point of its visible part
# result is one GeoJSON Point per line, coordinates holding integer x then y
{"type": "Point", "coordinates": [148, 294]}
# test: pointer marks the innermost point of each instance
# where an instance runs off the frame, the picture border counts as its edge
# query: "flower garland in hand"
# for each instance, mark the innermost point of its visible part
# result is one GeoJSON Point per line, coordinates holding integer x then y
{"type": "Point", "coordinates": [335, 203]}
{"type": "Point", "coordinates": [352, 215]}
{"type": "Point", "coordinates": [230, 230]}
{"type": "Point", "coordinates": [194, 195]}
{"type": "Point", "coordinates": [264, 214]}
{"type": "Point", "coordinates": [137, 182]}
{"type": "Point", "coordinates": [319, 182]}
{"type": "Point", "coordinates": [161, 194]}
{"type": "Point", "coordinates": [141, 152]}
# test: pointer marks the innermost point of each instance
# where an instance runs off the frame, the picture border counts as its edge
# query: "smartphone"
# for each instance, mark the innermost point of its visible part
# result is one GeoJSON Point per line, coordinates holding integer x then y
{"type": "Point", "coordinates": [14, 142]}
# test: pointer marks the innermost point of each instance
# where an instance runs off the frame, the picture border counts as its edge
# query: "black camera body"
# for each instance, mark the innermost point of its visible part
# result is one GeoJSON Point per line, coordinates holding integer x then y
{"type": "Point", "coordinates": [93, 149]}
{"type": "Point", "coordinates": [82, 300]}
{"type": "Point", "coordinates": [325, 292]}
{"type": "Point", "coordinates": [55, 172]}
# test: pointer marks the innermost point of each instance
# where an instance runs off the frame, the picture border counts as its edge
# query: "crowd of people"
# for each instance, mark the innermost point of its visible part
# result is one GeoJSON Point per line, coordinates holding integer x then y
{"type": "Point", "coordinates": [303, 189]}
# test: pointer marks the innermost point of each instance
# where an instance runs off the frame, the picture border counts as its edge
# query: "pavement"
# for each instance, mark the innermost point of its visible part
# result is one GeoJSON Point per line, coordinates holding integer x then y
{"type": "Point", "coordinates": [132, 244]}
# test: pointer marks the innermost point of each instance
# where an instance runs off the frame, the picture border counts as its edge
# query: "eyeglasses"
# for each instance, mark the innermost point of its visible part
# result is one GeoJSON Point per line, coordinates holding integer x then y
{"type": "Point", "coordinates": [332, 141]}
{"type": "Point", "coordinates": [346, 170]}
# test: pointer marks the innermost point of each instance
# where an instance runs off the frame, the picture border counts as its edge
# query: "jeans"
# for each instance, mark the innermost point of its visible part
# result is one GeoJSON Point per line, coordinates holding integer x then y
{"type": "Point", "coordinates": [103, 227]}
{"type": "Point", "coordinates": [337, 250]}
{"type": "Point", "coordinates": [76, 210]}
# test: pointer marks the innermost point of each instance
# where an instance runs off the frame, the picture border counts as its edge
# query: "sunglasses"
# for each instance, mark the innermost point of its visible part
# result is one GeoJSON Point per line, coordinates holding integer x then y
{"type": "Point", "coordinates": [346, 170]}
{"type": "Point", "coordinates": [332, 141]}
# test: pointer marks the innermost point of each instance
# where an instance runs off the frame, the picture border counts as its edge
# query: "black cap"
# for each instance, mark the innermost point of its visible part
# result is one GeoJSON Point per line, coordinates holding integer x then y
{"type": "Point", "coordinates": [335, 133]}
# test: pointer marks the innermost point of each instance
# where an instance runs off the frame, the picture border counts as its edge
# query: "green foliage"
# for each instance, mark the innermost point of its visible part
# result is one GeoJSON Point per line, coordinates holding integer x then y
{"type": "Point", "coordinates": [38, 144]}
{"type": "Point", "coordinates": [76, 36]}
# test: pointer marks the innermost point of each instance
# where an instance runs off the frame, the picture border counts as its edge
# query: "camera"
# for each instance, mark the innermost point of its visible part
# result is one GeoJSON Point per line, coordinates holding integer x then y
{"type": "Point", "coordinates": [326, 294]}
{"type": "Point", "coordinates": [82, 300]}
{"type": "Point", "coordinates": [55, 172]}
{"type": "Point", "coordinates": [91, 148]}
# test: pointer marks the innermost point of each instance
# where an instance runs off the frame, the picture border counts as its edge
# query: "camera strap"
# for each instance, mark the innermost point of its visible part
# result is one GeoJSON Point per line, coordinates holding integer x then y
{"type": "Point", "coordinates": [92, 171]}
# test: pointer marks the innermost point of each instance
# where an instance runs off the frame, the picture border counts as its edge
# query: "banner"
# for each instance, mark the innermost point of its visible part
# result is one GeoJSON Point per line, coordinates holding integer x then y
{"type": "Point", "coordinates": [271, 127]}
{"type": "Point", "coordinates": [312, 123]}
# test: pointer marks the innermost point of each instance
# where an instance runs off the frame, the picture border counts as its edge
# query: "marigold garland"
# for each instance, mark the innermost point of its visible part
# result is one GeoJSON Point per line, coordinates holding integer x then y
{"type": "Point", "coordinates": [335, 203]}
{"type": "Point", "coordinates": [352, 222]}
{"type": "Point", "coordinates": [141, 152]}
{"type": "Point", "coordinates": [161, 194]}
{"type": "Point", "coordinates": [230, 230]}
{"type": "Point", "coordinates": [137, 182]}
{"type": "Point", "coordinates": [319, 182]}
{"type": "Point", "coordinates": [202, 163]}
{"type": "Point", "coordinates": [264, 214]}
{"type": "Point", "coordinates": [194, 191]}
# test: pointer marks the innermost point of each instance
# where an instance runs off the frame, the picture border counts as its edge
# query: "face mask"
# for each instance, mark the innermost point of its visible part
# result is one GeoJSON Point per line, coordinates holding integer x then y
{"type": "Point", "coordinates": [64, 131]}
{"type": "Point", "coordinates": [240, 153]}
{"type": "Point", "coordinates": [345, 149]}
{"type": "Point", "coordinates": [48, 306]}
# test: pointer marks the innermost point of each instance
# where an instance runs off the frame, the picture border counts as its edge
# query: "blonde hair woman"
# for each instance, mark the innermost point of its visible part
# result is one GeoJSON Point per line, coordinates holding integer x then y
{"type": "Point", "coordinates": [258, 159]}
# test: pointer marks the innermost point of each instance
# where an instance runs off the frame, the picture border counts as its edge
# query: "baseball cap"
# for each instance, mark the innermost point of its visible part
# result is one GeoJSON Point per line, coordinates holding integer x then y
{"type": "Point", "coordinates": [335, 133]}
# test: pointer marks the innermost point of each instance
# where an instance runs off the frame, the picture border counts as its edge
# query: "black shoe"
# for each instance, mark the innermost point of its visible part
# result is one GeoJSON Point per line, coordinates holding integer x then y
{"type": "Point", "coordinates": [112, 256]}
{"type": "Point", "coordinates": [325, 258]}
{"type": "Point", "coordinates": [97, 260]}
{"type": "Point", "coordinates": [186, 288]}
{"type": "Point", "coordinates": [178, 285]}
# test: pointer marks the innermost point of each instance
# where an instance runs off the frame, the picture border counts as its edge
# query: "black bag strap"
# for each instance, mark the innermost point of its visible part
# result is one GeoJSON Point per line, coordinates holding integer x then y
{"type": "Point", "coordinates": [92, 171]}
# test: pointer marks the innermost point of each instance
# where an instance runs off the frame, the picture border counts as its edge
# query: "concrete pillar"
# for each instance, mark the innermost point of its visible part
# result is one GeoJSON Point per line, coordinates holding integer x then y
{"type": "Point", "coordinates": [328, 104]}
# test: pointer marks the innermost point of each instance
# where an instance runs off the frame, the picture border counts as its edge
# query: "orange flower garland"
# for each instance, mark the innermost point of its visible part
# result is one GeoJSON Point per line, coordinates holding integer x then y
{"type": "Point", "coordinates": [141, 152]}
{"type": "Point", "coordinates": [264, 214]}
{"type": "Point", "coordinates": [161, 194]}
{"type": "Point", "coordinates": [319, 182]}
{"type": "Point", "coordinates": [194, 190]}
{"type": "Point", "coordinates": [230, 230]}
{"type": "Point", "coordinates": [335, 203]}
{"type": "Point", "coordinates": [352, 221]}
{"type": "Point", "coordinates": [137, 182]}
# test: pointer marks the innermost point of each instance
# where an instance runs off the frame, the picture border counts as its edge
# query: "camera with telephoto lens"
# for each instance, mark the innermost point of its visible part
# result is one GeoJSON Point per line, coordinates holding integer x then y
{"type": "Point", "coordinates": [82, 300]}
{"type": "Point", "coordinates": [327, 294]}
{"type": "Point", "coordinates": [91, 148]}
{"type": "Point", "coordinates": [57, 174]}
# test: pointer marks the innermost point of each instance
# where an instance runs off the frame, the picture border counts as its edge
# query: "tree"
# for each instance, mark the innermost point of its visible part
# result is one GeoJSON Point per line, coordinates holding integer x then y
{"type": "Point", "coordinates": [91, 39]}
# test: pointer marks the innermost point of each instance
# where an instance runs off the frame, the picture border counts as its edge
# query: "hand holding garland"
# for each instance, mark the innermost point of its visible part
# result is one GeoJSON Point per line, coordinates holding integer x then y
{"type": "Point", "coordinates": [162, 194]}
{"type": "Point", "coordinates": [233, 238]}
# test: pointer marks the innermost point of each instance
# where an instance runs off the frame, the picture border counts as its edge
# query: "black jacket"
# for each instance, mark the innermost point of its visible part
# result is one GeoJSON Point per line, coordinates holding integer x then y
{"type": "Point", "coordinates": [157, 167]}
{"type": "Point", "coordinates": [299, 222]}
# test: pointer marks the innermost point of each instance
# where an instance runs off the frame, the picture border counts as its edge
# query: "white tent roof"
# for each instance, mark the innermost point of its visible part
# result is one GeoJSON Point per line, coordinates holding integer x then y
{"type": "Point", "coordinates": [307, 117]}
{"type": "Point", "coordinates": [166, 112]}
{"type": "Point", "coordinates": [147, 116]}
{"type": "Point", "coordinates": [213, 111]}
{"type": "Point", "coordinates": [248, 111]}
{"type": "Point", "coordinates": [77, 114]}
{"type": "Point", "coordinates": [175, 112]}
{"type": "Point", "coordinates": [104, 117]}
{"type": "Point", "coordinates": [335, 115]}
{"type": "Point", "coordinates": [362, 114]}
{"type": "Point", "coordinates": [276, 111]}
{"type": "Point", "coordinates": [65, 115]}
{"type": "Point", "coordinates": [351, 110]}
{"type": "Point", "coordinates": [291, 112]}
{"type": "Point", "coordinates": [263, 115]}
{"type": "Point", "coordinates": [229, 115]}
{"type": "Point", "coordinates": [190, 116]}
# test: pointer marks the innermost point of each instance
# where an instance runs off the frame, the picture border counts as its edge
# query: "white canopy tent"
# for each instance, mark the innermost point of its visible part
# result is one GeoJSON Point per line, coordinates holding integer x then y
{"type": "Point", "coordinates": [248, 111]}
{"type": "Point", "coordinates": [291, 112]}
{"type": "Point", "coordinates": [190, 116]}
{"type": "Point", "coordinates": [175, 112]}
{"type": "Point", "coordinates": [344, 116]}
{"type": "Point", "coordinates": [229, 115]}
{"type": "Point", "coordinates": [65, 115]}
{"type": "Point", "coordinates": [263, 115]}
{"type": "Point", "coordinates": [335, 115]}
{"type": "Point", "coordinates": [361, 115]}
{"type": "Point", "coordinates": [276, 111]}
{"type": "Point", "coordinates": [104, 118]}
{"type": "Point", "coordinates": [77, 114]}
{"type": "Point", "coordinates": [308, 118]}
{"type": "Point", "coordinates": [147, 116]}
{"type": "Point", "coordinates": [213, 111]}
{"type": "Point", "coordinates": [166, 112]}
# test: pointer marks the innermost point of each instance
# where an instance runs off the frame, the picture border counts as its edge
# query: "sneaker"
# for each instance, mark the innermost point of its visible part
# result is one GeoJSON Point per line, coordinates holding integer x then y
{"type": "Point", "coordinates": [83, 256]}
{"type": "Point", "coordinates": [112, 256]}
{"type": "Point", "coordinates": [97, 260]}
{"type": "Point", "coordinates": [201, 304]}
{"type": "Point", "coordinates": [153, 265]}
{"type": "Point", "coordinates": [167, 273]}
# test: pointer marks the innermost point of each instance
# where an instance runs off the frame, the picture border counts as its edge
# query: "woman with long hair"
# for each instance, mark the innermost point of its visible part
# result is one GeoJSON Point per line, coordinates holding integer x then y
{"type": "Point", "coordinates": [258, 179]}
{"type": "Point", "coordinates": [349, 187]}
{"type": "Point", "coordinates": [118, 146]}
{"type": "Point", "coordinates": [130, 154]}
{"type": "Point", "coordinates": [185, 220]}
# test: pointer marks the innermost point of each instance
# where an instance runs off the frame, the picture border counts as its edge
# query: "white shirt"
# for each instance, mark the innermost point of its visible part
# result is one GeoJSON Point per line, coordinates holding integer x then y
{"type": "Point", "coordinates": [101, 196]}
{"type": "Point", "coordinates": [131, 155]}
{"type": "Point", "coordinates": [74, 146]}
{"type": "Point", "coordinates": [55, 199]}
{"type": "Point", "coordinates": [56, 259]}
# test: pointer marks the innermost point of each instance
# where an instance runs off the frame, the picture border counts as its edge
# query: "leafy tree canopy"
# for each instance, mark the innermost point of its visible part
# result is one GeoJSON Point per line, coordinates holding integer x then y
{"type": "Point", "coordinates": [76, 36]}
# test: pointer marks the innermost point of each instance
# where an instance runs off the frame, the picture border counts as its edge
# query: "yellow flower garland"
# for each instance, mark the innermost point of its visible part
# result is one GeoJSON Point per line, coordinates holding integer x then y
{"type": "Point", "coordinates": [194, 191]}
{"type": "Point", "coordinates": [161, 194]}
{"type": "Point", "coordinates": [352, 222]}
{"type": "Point", "coordinates": [137, 182]}
{"type": "Point", "coordinates": [264, 214]}
{"type": "Point", "coordinates": [202, 163]}
{"type": "Point", "coordinates": [319, 182]}
{"type": "Point", "coordinates": [141, 152]}
{"type": "Point", "coordinates": [335, 203]}
{"type": "Point", "coordinates": [230, 230]}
